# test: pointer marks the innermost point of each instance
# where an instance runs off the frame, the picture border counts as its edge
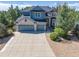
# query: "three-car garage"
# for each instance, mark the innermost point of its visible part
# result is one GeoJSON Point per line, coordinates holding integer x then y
{"type": "Point", "coordinates": [23, 28]}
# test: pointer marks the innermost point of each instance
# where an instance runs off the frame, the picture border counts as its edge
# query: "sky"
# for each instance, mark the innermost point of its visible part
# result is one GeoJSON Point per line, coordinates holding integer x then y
{"type": "Point", "coordinates": [4, 5]}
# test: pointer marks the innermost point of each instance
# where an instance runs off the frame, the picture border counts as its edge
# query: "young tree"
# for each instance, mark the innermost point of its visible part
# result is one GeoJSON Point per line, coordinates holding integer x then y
{"type": "Point", "coordinates": [3, 18]}
{"type": "Point", "coordinates": [7, 19]}
{"type": "Point", "coordinates": [17, 10]}
{"type": "Point", "coordinates": [66, 17]}
{"type": "Point", "coordinates": [12, 14]}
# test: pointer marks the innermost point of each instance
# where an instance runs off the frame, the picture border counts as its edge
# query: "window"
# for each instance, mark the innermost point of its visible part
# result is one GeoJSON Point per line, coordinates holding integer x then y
{"type": "Point", "coordinates": [54, 14]}
{"type": "Point", "coordinates": [16, 22]}
{"type": "Point", "coordinates": [38, 14]}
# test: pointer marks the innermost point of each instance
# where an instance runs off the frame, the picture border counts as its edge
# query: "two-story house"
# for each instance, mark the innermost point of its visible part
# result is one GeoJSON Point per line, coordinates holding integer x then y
{"type": "Point", "coordinates": [38, 18]}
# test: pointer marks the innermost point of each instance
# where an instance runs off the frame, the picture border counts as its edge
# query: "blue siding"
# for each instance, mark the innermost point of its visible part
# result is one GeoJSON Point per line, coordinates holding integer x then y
{"type": "Point", "coordinates": [33, 15]}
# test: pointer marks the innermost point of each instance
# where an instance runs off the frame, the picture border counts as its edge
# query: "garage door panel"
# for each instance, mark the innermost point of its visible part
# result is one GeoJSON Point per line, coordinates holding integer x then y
{"type": "Point", "coordinates": [40, 27]}
{"type": "Point", "coordinates": [26, 27]}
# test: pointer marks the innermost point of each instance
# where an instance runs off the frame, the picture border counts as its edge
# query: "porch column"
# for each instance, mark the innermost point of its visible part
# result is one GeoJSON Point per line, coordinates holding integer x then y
{"type": "Point", "coordinates": [35, 27]}
{"type": "Point", "coordinates": [16, 27]}
{"type": "Point", "coordinates": [45, 27]}
{"type": "Point", "coordinates": [49, 21]}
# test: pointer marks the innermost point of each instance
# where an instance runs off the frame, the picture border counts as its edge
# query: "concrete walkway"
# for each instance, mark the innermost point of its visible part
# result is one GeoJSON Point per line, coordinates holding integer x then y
{"type": "Point", "coordinates": [27, 44]}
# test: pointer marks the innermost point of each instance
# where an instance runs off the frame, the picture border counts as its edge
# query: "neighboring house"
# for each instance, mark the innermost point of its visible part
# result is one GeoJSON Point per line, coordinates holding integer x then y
{"type": "Point", "coordinates": [39, 18]}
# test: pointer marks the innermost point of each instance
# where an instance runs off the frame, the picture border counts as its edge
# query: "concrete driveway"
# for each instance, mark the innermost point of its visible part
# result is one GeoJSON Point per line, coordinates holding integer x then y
{"type": "Point", "coordinates": [27, 44]}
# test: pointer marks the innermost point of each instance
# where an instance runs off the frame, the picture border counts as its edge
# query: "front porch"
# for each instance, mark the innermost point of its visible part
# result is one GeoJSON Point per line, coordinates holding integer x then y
{"type": "Point", "coordinates": [51, 23]}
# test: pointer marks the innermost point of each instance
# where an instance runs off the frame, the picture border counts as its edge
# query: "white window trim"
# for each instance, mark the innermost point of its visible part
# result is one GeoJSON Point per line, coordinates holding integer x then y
{"type": "Point", "coordinates": [38, 13]}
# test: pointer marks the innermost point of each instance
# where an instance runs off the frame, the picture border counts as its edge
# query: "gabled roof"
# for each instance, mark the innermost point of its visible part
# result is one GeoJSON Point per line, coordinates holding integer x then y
{"type": "Point", "coordinates": [53, 9]}
{"type": "Point", "coordinates": [23, 17]}
{"type": "Point", "coordinates": [27, 17]}
{"type": "Point", "coordinates": [25, 12]}
{"type": "Point", "coordinates": [40, 8]}
{"type": "Point", "coordinates": [46, 8]}
{"type": "Point", "coordinates": [37, 8]}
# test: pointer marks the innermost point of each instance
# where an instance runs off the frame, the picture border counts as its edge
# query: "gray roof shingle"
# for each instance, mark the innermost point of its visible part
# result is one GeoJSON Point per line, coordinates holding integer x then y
{"type": "Point", "coordinates": [41, 8]}
{"type": "Point", "coordinates": [25, 12]}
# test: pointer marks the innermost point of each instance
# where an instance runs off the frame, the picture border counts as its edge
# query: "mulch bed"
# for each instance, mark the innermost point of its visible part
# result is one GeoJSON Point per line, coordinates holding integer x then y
{"type": "Point", "coordinates": [65, 48]}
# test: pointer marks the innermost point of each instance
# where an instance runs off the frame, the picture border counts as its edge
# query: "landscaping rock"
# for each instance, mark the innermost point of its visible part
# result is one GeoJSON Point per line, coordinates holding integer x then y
{"type": "Point", "coordinates": [59, 39]}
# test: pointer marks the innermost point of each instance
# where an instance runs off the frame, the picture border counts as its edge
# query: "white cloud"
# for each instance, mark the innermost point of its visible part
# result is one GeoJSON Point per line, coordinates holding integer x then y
{"type": "Point", "coordinates": [5, 6]}
{"type": "Point", "coordinates": [54, 4]}
{"type": "Point", "coordinates": [74, 5]}
{"type": "Point", "coordinates": [21, 6]}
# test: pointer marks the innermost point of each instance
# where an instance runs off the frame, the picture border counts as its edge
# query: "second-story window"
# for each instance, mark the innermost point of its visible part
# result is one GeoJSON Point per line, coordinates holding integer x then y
{"type": "Point", "coordinates": [38, 14]}
{"type": "Point", "coordinates": [53, 14]}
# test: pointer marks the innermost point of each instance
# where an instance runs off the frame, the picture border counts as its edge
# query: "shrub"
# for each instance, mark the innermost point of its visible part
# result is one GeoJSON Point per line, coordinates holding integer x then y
{"type": "Point", "coordinates": [54, 36]}
{"type": "Point", "coordinates": [2, 30]}
{"type": "Point", "coordinates": [9, 31]}
{"type": "Point", "coordinates": [60, 31]}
